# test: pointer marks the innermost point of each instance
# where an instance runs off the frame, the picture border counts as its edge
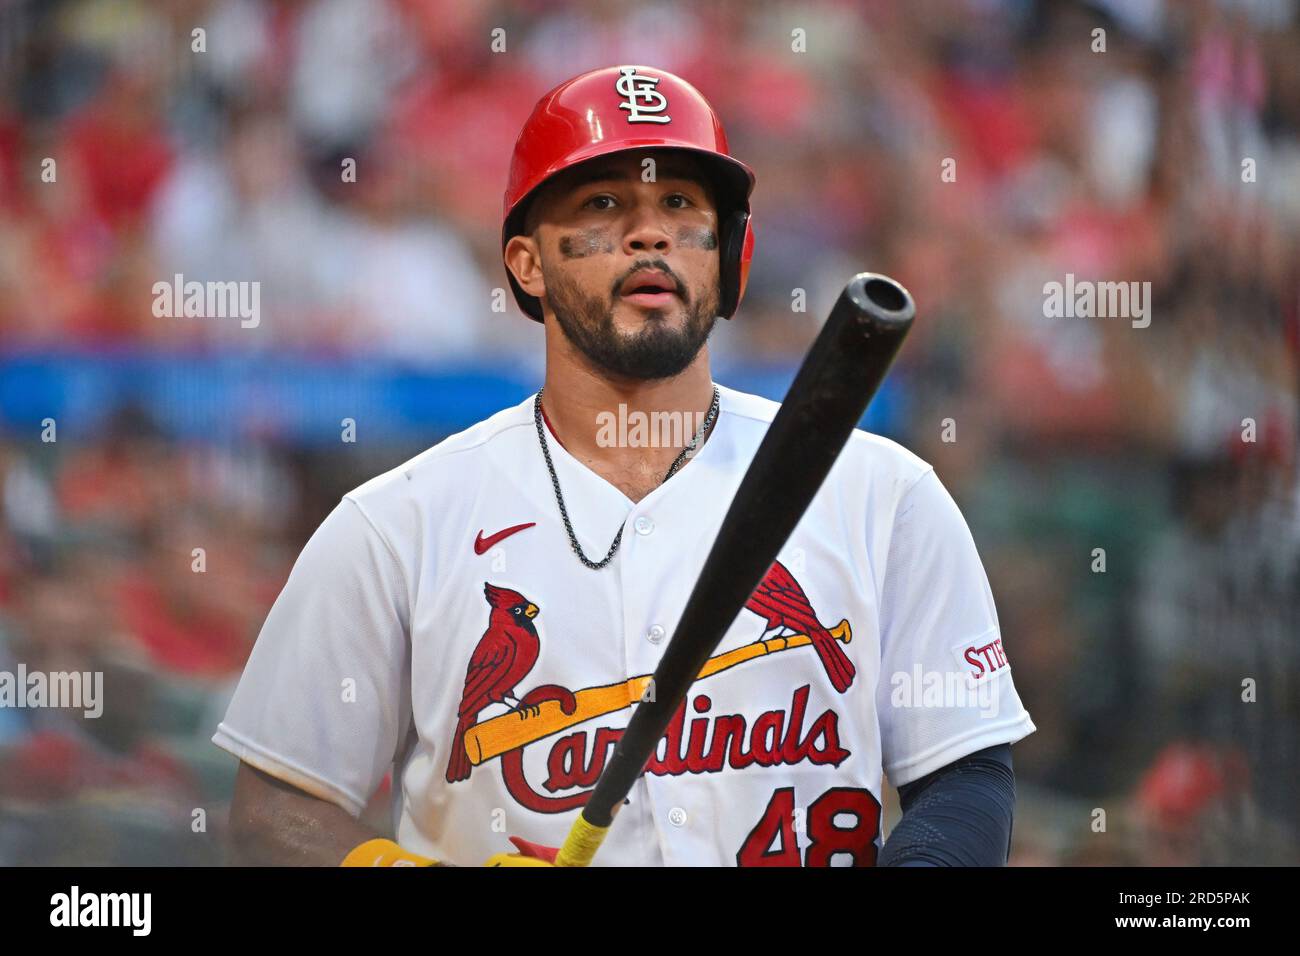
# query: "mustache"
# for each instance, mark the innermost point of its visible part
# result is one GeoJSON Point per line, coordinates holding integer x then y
{"type": "Point", "coordinates": [651, 266]}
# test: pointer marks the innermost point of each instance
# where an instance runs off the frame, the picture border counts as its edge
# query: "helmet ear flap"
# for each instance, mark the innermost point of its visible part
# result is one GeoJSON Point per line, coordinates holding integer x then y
{"type": "Point", "coordinates": [736, 246]}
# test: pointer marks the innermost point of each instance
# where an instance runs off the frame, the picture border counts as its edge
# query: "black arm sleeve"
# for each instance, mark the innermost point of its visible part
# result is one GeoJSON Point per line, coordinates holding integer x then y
{"type": "Point", "coordinates": [960, 815]}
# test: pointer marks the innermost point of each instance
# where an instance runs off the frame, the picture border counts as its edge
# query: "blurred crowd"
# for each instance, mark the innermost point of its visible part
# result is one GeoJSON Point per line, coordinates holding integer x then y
{"type": "Point", "coordinates": [1134, 490]}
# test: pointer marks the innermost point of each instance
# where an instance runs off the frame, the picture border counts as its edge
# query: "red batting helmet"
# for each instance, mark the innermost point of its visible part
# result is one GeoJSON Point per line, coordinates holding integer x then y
{"type": "Point", "coordinates": [623, 108]}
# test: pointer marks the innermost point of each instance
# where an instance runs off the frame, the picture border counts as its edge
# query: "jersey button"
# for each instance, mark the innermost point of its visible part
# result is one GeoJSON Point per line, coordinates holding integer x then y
{"type": "Point", "coordinates": [655, 634]}
{"type": "Point", "coordinates": [677, 817]}
{"type": "Point", "coordinates": [643, 525]}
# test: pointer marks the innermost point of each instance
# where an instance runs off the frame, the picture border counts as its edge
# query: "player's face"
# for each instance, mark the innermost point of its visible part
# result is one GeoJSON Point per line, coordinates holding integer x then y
{"type": "Point", "coordinates": [631, 267]}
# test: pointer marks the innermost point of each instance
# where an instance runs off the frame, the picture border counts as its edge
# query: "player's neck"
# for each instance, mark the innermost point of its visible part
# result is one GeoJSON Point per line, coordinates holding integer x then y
{"type": "Point", "coordinates": [629, 431]}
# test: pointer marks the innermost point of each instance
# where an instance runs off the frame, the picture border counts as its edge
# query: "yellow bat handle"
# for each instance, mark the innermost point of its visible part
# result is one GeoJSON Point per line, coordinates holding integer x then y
{"type": "Point", "coordinates": [581, 844]}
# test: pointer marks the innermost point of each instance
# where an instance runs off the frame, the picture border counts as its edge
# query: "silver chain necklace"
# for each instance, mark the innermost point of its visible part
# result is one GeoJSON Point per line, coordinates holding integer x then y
{"type": "Point", "coordinates": [559, 497]}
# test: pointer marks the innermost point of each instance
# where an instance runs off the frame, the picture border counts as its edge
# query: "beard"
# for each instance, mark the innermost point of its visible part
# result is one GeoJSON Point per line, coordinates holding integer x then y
{"type": "Point", "coordinates": [655, 351]}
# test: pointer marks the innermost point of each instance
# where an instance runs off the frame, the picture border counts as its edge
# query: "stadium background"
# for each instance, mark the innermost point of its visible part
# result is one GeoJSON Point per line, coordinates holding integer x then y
{"type": "Point", "coordinates": [1072, 434]}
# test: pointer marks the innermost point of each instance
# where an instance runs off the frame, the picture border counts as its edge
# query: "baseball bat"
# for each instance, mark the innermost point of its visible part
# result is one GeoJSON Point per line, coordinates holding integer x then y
{"type": "Point", "coordinates": [828, 397]}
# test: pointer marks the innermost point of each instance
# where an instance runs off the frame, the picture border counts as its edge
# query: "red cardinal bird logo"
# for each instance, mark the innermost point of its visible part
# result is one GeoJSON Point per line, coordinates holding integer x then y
{"type": "Point", "coordinates": [781, 600]}
{"type": "Point", "coordinates": [505, 654]}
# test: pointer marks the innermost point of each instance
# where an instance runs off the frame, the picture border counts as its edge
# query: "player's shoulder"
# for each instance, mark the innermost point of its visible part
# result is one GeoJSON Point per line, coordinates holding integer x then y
{"type": "Point", "coordinates": [453, 460]}
{"type": "Point", "coordinates": [866, 454]}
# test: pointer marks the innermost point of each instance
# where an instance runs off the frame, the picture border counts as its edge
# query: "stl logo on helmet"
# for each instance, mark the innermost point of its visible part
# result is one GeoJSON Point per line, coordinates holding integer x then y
{"type": "Point", "coordinates": [643, 102]}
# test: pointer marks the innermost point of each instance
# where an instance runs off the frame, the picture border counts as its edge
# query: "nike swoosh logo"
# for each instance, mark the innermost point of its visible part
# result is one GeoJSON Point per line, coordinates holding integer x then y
{"type": "Point", "coordinates": [481, 543]}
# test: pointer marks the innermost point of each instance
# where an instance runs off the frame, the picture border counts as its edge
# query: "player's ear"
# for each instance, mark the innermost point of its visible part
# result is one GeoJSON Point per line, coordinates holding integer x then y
{"type": "Point", "coordinates": [523, 259]}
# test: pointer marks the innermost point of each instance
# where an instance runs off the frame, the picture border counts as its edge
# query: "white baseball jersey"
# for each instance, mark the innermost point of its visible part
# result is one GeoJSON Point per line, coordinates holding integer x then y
{"type": "Point", "coordinates": [438, 625]}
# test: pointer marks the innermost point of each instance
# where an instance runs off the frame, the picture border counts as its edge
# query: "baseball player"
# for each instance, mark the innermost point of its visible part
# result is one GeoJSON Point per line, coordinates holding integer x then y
{"type": "Point", "coordinates": [482, 620]}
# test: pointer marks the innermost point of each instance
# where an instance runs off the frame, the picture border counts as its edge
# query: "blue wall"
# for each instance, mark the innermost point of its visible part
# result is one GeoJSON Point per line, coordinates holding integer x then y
{"type": "Point", "coordinates": [302, 400]}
